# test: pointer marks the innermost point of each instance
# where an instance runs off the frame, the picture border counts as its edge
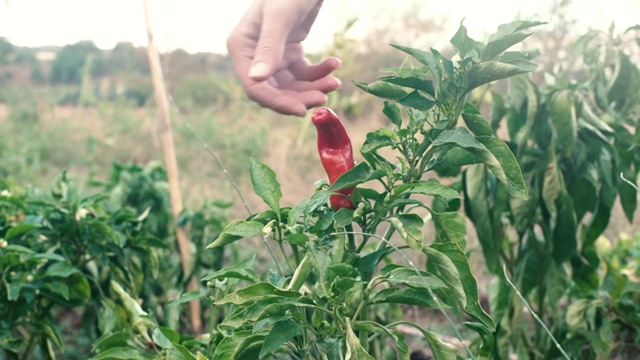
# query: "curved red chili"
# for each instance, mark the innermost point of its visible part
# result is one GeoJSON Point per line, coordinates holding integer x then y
{"type": "Point", "coordinates": [336, 152]}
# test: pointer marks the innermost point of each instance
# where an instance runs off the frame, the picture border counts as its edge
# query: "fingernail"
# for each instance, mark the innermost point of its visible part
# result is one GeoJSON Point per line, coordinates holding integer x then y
{"type": "Point", "coordinates": [259, 70]}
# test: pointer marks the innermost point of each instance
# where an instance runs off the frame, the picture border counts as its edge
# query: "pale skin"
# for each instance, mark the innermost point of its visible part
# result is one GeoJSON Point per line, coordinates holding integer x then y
{"type": "Point", "coordinates": [268, 58]}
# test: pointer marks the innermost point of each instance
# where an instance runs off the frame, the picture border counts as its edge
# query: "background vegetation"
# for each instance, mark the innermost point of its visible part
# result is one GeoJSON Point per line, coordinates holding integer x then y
{"type": "Point", "coordinates": [89, 114]}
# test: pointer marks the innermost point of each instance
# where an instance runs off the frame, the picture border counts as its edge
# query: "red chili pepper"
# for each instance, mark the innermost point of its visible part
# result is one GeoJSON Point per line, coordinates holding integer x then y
{"type": "Point", "coordinates": [336, 153]}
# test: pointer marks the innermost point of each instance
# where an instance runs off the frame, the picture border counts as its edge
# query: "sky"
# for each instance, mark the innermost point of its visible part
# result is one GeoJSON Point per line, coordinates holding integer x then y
{"type": "Point", "coordinates": [202, 25]}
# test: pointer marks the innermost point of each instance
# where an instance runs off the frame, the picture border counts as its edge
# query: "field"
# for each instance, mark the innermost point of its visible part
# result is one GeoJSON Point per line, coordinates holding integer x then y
{"type": "Point", "coordinates": [490, 220]}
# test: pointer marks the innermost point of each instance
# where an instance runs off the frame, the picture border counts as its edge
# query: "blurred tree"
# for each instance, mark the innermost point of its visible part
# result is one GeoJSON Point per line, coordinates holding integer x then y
{"type": "Point", "coordinates": [68, 65]}
{"type": "Point", "coordinates": [6, 49]}
{"type": "Point", "coordinates": [125, 58]}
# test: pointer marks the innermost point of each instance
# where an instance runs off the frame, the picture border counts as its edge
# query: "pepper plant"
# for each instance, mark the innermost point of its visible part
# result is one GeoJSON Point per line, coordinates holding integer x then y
{"type": "Point", "coordinates": [342, 269]}
{"type": "Point", "coordinates": [573, 137]}
{"type": "Point", "coordinates": [75, 263]}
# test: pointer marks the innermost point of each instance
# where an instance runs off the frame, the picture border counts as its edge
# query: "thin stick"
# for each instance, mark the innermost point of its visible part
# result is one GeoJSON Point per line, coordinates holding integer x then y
{"type": "Point", "coordinates": [228, 176]}
{"type": "Point", "coordinates": [535, 316]}
{"type": "Point", "coordinates": [629, 182]}
{"type": "Point", "coordinates": [169, 152]}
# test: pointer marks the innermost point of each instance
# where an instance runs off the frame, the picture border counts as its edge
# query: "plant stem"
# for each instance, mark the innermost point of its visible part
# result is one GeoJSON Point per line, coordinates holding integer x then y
{"type": "Point", "coordinates": [350, 237]}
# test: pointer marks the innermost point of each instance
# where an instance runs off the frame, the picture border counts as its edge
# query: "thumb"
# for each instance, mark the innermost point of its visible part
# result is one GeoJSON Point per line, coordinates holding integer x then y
{"type": "Point", "coordinates": [271, 44]}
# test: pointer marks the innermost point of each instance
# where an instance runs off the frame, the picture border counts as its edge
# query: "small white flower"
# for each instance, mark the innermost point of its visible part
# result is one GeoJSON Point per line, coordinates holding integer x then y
{"type": "Point", "coordinates": [81, 214]}
{"type": "Point", "coordinates": [29, 278]}
{"type": "Point", "coordinates": [41, 237]}
{"type": "Point", "coordinates": [3, 243]}
{"type": "Point", "coordinates": [5, 193]}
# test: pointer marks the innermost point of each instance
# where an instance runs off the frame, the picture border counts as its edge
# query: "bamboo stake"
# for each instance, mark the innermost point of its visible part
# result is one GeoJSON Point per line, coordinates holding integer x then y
{"type": "Point", "coordinates": [169, 152]}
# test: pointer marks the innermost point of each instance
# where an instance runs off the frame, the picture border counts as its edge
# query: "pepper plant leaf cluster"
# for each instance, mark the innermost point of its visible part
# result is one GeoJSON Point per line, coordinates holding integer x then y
{"type": "Point", "coordinates": [346, 272]}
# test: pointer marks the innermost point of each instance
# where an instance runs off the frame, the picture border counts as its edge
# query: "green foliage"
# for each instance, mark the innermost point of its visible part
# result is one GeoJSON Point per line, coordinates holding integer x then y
{"type": "Point", "coordinates": [95, 255]}
{"type": "Point", "coordinates": [573, 138]}
{"type": "Point", "coordinates": [338, 290]}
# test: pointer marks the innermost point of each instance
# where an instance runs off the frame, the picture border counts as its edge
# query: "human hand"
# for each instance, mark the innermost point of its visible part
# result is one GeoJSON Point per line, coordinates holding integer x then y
{"type": "Point", "coordinates": [268, 58]}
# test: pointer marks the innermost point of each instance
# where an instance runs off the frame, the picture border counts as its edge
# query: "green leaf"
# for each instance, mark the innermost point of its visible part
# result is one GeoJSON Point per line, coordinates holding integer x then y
{"type": "Point", "coordinates": [626, 81]}
{"type": "Point", "coordinates": [318, 199]}
{"type": "Point", "coordinates": [507, 170]}
{"type": "Point", "coordinates": [355, 176]}
{"type": "Point", "coordinates": [562, 117]}
{"type": "Point", "coordinates": [450, 227]}
{"type": "Point", "coordinates": [425, 57]}
{"type": "Point", "coordinates": [628, 194]}
{"type": "Point", "coordinates": [56, 289]}
{"type": "Point", "coordinates": [241, 345]}
{"type": "Point", "coordinates": [449, 262]}
{"type": "Point", "coordinates": [355, 351]}
{"type": "Point", "coordinates": [430, 187]}
{"type": "Point", "coordinates": [382, 89]}
{"type": "Point", "coordinates": [406, 296]}
{"type": "Point", "coordinates": [61, 269]}
{"type": "Point", "coordinates": [552, 187]}
{"type": "Point", "coordinates": [282, 332]}
{"type": "Point", "coordinates": [439, 349]}
{"type": "Point", "coordinates": [417, 101]}
{"type": "Point", "coordinates": [393, 113]}
{"type": "Point", "coordinates": [397, 336]}
{"type": "Point", "coordinates": [487, 347]}
{"type": "Point", "coordinates": [236, 230]}
{"type": "Point", "coordinates": [565, 243]}
{"type": "Point", "coordinates": [118, 353]}
{"type": "Point", "coordinates": [397, 274]}
{"type": "Point", "coordinates": [265, 184]}
{"type": "Point", "coordinates": [513, 27]}
{"type": "Point", "coordinates": [498, 45]}
{"type": "Point", "coordinates": [490, 71]}
{"type": "Point", "coordinates": [381, 138]}
{"type": "Point", "coordinates": [179, 352]}
{"type": "Point", "coordinates": [466, 46]}
{"type": "Point", "coordinates": [19, 230]}
{"type": "Point", "coordinates": [369, 262]}
{"type": "Point", "coordinates": [111, 340]}
{"type": "Point", "coordinates": [186, 297]}
{"type": "Point", "coordinates": [161, 339]}
{"type": "Point", "coordinates": [239, 270]}
{"type": "Point", "coordinates": [414, 78]}
{"type": "Point", "coordinates": [409, 226]}
{"type": "Point", "coordinates": [477, 124]}
{"type": "Point", "coordinates": [257, 292]}
{"type": "Point", "coordinates": [297, 239]}
{"type": "Point", "coordinates": [13, 289]}
{"type": "Point", "coordinates": [491, 151]}
{"type": "Point", "coordinates": [342, 218]}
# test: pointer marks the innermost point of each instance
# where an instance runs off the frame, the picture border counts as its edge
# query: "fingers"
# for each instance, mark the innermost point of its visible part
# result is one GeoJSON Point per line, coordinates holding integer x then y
{"type": "Point", "coordinates": [286, 102]}
{"type": "Point", "coordinates": [303, 70]}
{"type": "Point", "coordinates": [285, 80]}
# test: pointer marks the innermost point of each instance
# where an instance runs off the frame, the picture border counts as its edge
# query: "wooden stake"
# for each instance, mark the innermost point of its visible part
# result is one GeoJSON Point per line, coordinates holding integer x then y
{"type": "Point", "coordinates": [169, 152]}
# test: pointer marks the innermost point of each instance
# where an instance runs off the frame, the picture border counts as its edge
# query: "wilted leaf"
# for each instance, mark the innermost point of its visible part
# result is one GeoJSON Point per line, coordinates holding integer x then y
{"type": "Point", "coordinates": [450, 227]}
{"type": "Point", "coordinates": [450, 264]}
{"type": "Point", "coordinates": [257, 292]}
{"type": "Point", "coordinates": [355, 351]}
{"type": "Point", "coordinates": [409, 226]}
{"type": "Point", "coordinates": [240, 345]}
{"type": "Point", "coordinates": [562, 117]}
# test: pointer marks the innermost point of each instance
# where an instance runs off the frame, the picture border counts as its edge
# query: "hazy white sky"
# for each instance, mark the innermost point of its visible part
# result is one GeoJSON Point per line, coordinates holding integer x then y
{"type": "Point", "coordinates": [202, 25]}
